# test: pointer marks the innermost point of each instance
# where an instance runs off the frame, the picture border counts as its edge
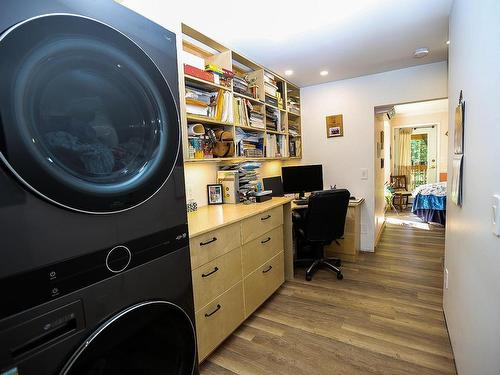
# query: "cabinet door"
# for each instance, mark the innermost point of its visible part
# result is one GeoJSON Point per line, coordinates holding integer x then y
{"type": "Point", "coordinates": [262, 249]}
{"type": "Point", "coordinates": [206, 247]}
{"type": "Point", "coordinates": [215, 277]}
{"type": "Point", "coordinates": [263, 282]}
{"type": "Point", "coordinates": [257, 225]}
{"type": "Point", "coordinates": [219, 319]}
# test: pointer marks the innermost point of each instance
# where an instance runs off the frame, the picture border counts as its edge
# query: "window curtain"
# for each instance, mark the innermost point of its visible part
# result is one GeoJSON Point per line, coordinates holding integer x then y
{"type": "Point", "coordinates": [403, 163]}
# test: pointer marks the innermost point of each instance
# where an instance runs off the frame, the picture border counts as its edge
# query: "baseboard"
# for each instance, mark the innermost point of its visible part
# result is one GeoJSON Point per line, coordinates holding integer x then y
{"type": "Point", "coordinates": [379, 234]}
{"type": "Point", "coordinates": [449, 338]}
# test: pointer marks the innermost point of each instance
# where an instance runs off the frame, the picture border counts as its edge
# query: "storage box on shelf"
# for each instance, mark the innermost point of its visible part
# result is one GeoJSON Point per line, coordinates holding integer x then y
{"type": "Point", "coordinates": [227, 93]}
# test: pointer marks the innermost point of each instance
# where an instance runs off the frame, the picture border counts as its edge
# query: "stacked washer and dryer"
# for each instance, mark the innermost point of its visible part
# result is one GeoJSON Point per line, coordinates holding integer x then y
{"type": "Point", "coordinates": [94, 260]}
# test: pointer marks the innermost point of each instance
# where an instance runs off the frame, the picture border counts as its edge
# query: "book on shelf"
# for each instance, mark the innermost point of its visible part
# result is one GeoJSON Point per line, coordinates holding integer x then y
{"type": "Point", "coordinates": [295, 148]}
{"type": "Point", "coordinates": [293, 104]}
{"type": "Point", "coordinates": [222, 76]}
{"type": "Point", "coordinates": [279, 94]}
{"type": "Point", "coordinates": [270, 86]}
{"type": "Point", "coordinates": [276, 146]}
{"type": "Point", "coordinates": [256, 120]}
{"type": "Point", "coordinates": [249, 144]}
{"type": "Point", "coordinates": [240, 112]}
{"type": "Point", "coordinates": [273, 119]}
{"type": "Point", "coordinates": [215, 105]}
{"type": "Point", "coordinates": [199, 73]}
{"type": "Point", "coordinates": [271, 100]}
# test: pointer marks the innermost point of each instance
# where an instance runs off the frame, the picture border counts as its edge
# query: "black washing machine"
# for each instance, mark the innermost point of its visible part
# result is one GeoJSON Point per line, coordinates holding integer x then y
{"type": "Point", "coordinates": [95, 271]}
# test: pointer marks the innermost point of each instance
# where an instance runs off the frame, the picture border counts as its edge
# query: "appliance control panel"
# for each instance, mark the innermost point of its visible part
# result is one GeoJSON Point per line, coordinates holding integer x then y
{"type": "Point", "coordinates": [22, 291]}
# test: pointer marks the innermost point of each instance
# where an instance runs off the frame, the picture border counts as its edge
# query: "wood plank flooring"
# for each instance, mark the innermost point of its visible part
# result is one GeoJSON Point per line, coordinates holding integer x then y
{"type": "Point", "coordinates": [385, 317]}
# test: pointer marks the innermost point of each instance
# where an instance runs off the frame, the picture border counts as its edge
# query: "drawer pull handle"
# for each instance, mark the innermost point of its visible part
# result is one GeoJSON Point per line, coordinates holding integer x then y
{"type": "Point", "coordinates": [213, 312]}
{"type": "Point", "coordinates": [210, 273]}
{"type": "Point", "coordinates": [209, 241]}
{"type": "Point", "coordinates": [269, 269]}
{"type": "Point", "coordinates": [266, 240]}
{"type": "Point", "coordinates": [265, 217]}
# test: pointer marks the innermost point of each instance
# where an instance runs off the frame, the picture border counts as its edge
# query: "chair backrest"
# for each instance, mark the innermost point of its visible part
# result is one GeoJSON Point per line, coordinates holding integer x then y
{"type": "Point", "coordinates": [399, 182]}
{"type": "Point", "coordinates": [326, 214]}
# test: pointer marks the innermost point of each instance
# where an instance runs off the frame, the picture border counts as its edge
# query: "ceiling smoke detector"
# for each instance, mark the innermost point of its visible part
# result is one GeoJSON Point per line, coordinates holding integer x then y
{"type": "Point", "coordinates": [421, 52]}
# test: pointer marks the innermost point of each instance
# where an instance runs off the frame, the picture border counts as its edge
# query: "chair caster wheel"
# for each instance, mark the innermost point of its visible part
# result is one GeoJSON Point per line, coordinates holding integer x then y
{"type": "Point", "coordinates": [308, 278]}
{"type": "Point", "coordinates": [340, 276]}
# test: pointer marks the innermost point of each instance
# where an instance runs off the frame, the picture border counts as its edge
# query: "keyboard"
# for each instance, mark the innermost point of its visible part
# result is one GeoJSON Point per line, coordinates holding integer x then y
{"type": "Point", "coordinates": [301, 202]}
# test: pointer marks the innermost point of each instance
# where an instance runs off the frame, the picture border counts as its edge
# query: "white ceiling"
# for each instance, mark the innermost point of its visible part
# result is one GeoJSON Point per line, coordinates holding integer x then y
{"type": "Point", "coordinates": [431, 106]}
{"type": "Point", "coordinates": [348, 38]}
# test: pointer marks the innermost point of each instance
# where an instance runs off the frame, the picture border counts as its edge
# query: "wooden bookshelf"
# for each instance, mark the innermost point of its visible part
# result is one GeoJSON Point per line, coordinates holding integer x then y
{"type": "Point", "coordinates": [198, 44]}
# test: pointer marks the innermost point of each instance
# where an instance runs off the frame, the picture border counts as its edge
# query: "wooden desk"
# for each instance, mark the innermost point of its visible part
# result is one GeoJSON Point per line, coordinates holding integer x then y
{"type": "Point", "coordinates": [240, 255]}
{"type": "Point", "coordinates": [350, 245]}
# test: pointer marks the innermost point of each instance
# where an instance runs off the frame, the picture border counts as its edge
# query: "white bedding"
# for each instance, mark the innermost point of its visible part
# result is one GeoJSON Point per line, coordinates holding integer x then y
{"type": "Point", "coordinates": [438, 189]}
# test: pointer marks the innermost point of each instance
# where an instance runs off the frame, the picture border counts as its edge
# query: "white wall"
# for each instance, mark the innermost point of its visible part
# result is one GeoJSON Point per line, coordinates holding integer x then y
{"type": "Point", "coordinates": [344, 157]}
{"type": "Point", "coordinates": [472, 300]}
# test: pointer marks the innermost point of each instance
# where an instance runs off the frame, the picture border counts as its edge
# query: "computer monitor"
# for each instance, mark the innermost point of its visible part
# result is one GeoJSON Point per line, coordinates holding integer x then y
{"type": "Point", "coordinates": [302, 178]}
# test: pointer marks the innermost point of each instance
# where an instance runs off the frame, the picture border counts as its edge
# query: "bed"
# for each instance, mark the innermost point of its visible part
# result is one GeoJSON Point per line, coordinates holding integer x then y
{"type": "Point", "coordinates": [429, 202]}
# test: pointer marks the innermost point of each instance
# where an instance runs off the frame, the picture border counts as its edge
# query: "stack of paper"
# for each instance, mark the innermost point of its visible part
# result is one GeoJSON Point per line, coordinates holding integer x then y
{"type": "Point", "coordinates": [293, 104]}
{"type": "Point", "coordinates": [248, 177]}
{"type": "Point", "coordinates": [197, 101]}
{"type": "Point", "coordinates": [240, 85]}
{"type": "Point", "coordinates": [270, 87]}
{"type": "Point", "coordinates": [273, 119]}
{"type": "Point", "coordinates": [249, 144]}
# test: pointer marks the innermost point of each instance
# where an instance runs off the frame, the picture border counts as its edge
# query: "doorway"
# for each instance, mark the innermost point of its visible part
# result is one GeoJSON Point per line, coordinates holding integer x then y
{"type": "Point", "coordinates": [411, 143]}
{"type": "Point", "coordinates": [423, 152]}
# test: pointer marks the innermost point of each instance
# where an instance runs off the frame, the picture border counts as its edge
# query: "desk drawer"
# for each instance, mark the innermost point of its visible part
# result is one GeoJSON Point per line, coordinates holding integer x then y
{"type": "Point", "coordinates": [263, 282]}
{"type": "Point", "coordinates": [211, 245]}
{"type": "Point", "coordinates": [215, 277]}
{"type": "Point", "coordinates": [219, 319]}
{"type": "Point", "coordinates": [257, 225]}
{"type": "Point", "coordinates": [263, 248]}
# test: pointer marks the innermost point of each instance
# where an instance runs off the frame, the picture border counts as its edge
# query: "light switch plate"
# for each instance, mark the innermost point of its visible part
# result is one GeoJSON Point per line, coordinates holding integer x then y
{"type": "Point", "coordinates": [496, 214]}
{"type": "Point", "coordinates": [364, 173]}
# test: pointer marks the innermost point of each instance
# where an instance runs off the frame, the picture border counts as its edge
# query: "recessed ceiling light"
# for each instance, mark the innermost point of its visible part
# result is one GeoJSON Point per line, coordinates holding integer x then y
{"type": "Point", "coordinates": [288, 72]}
{"type": "Point", "coordinates": [323, 73]}
{"type": "Point", "coordinates": [421, 52]}
{"type": "Point", "coordinates": [447, 42]}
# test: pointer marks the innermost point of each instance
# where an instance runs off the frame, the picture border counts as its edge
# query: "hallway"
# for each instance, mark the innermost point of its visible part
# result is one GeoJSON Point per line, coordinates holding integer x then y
{"type": "Point", "coordinates": [385, 317]}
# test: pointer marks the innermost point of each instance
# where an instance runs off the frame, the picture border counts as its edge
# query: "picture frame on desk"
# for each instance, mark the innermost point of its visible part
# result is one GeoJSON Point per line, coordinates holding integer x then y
{"type": "Point", "coordinates": [214, 194]}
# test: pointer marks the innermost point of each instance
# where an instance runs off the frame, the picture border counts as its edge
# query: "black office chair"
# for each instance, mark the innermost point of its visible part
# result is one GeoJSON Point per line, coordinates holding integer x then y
{"type": "Point", "coordinates": [322, 222]}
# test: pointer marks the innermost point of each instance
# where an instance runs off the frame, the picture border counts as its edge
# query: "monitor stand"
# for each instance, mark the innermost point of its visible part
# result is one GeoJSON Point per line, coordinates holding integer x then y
{"type": "Point", "coordinates": [301, 200]}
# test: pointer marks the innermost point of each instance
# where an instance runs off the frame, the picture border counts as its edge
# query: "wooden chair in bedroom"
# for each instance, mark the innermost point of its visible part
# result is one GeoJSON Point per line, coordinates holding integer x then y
{"type": "Point", "coordinates": [401, 193]}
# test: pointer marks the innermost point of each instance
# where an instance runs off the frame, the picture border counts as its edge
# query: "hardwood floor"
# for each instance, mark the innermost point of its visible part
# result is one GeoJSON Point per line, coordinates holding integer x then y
{"type": "Point", "coordinates": [385, 317]}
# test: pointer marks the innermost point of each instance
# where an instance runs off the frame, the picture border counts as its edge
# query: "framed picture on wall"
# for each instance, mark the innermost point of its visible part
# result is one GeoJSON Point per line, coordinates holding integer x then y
{"type": "Point", "coordinates": [214, 194]}
{"type": "Point", "coordinates": [334, 126]}
{"type": "Point", "coordinates": [459, 127]}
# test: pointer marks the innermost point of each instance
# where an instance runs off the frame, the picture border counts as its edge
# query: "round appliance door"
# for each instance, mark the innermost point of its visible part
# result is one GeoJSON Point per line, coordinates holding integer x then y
{"type": "Point", "coordinates": [87, 120]}
{"type": "Point", "coordinates": [151, 338]}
